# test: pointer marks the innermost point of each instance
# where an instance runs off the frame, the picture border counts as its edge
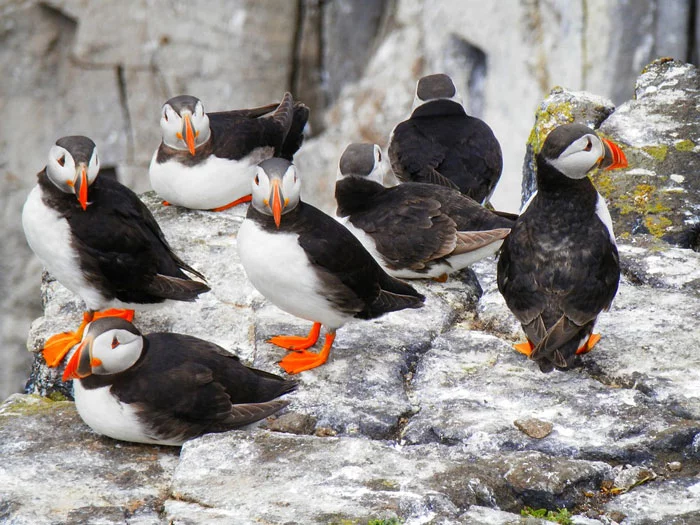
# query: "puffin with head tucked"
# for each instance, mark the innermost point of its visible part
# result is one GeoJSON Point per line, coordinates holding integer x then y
{"type": "Point", "coordinates": [97, 238]}
{"type": "Point", "coordinates": [206, 161]}
{"type": "Point", "coordinates": [559, 267]}
{"type": "Point", "coordinates": [309, 265]}
{"type": "Point", "coordinates": [165, 388]}
{"type": "Point", "coordinates": [414, 230]}
{"type": "Point", "coordinates": [441, 144]}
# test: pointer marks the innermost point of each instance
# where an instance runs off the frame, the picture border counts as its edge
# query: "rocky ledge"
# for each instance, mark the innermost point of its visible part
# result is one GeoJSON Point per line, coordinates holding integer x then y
{"type": "Point", "coordinates": [423, 416]}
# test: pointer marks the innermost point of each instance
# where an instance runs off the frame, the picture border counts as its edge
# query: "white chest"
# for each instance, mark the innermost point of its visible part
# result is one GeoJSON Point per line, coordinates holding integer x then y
{"type": "Point", "coordinates": [49, 237]}
{"type": "Point", "coordinates": [103, 413]}
{"type": "Point", "coordinates": [209, 184]}
{"type": "Point", "coordinates": [280, 270]}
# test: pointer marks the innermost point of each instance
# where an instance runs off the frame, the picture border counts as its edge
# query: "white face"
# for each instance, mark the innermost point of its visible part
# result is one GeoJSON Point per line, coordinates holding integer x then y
{"type": "Point", "coordinates": [289, 188]}
{"type": "Point", "coordinates": [580, 157]}
{"type": "Point", "coordinates": [114, 351]}
{"type": "Point", "coordinates": [63, 171]}
{"type": "Point", "coordinates": [174, 129]}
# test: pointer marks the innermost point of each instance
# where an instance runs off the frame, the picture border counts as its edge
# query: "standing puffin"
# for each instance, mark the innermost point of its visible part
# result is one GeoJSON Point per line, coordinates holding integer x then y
{"type": "Point", "coordinates": [165, 388]}
{"type": "Point", "coordinates": [413, 230]}
{"type": "Point", "coordinates": [100, 241]}
{"type": "Point", "coordinates": [441, 144]}
{"type": "Point", "coordinates": [308, 264]}
{"type": "Point", "coordinates": [206, 161]}
{"type": "Point", "coordinates": [559, 266]}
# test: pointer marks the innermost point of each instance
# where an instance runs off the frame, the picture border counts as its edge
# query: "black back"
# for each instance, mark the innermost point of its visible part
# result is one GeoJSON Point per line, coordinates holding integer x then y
{"type": "Point", "coordinates": [123, 252]}
{"type": "Point", "coordinates": [412, 223]}
{"type": "Point", "coordinates": [353, 281]}
{"type": "Point", "coordinates": [440, 144]}
{"type": "Point", "coordinates": [558, 268]}
{"type": "Point", "coordinates": [185, 386]}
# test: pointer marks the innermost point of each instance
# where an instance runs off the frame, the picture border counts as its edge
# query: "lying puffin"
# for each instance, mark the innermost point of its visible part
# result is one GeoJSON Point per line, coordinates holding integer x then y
{"type": "Point", "coordinates": [441, 144]}
{"type": "Point", "coordinates": [206, 161]}
{"type": "Point", "coordinates": [559, 267]}
{"type": "Point", "coordinates": [413, 230]}
{"type": "Point", "coordinates": [100, 241]}
{"type": "Point", "coordinates": [309, 265]}
{"type": "Point", "coordinates": [165, 388]}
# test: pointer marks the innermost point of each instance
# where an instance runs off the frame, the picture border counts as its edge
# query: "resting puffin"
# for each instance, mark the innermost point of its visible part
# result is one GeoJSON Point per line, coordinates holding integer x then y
{"type": "Point", "coordinates": [100, 241]}
{"type": "Point", "coordinates": [311, 266]}
{"type": "Point", "coordinates": [165, 388]}
{"type": "Point", "coordinates": [441, 144]}
{"type": "Point", "coordinates": [413, 230]}
{"type": "Point", "coordinates": [559, 267]}
{"type": "Point", "coordinates": [206, 161]}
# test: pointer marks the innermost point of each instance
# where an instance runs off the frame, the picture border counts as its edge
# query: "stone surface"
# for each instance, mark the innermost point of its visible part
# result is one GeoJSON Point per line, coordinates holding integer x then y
{"type": "Point", "coordinates": [56, 470]}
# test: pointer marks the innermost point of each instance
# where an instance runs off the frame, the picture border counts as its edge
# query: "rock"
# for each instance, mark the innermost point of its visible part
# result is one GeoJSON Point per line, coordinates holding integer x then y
{"type": "Point", "coordinates": [627, 477]}
{"type": "Point", "coordinates": [534, 428]}
{"type": "Point", "coordinates": [674, 502]}
{"type": "Point", "coordinates": [658, 193]}
{"type": "Point", "coordinates": [56, 470]}
{"type": "Point", "coordinates": [675, 466]}
{"type": "Point", "coordinates": [293, 423]}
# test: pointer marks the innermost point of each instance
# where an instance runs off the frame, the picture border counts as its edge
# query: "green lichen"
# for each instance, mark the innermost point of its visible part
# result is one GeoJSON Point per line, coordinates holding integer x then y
{"type": "Point", "coordinates": [685, 145]}
{"type": "Point", "coordinates": [383, 484]}
{"type": "Point", "coordinates": [30, 405]}
{"type": "Point", "coordinates": [57, 396]}
{"type": "Point", "coordinates": [390, 521]}
{"type": "Point", "coordinates": [644, 200]}
{"type": "Point", "coordinates": [657, 226]}
{"type": "Point", "coordinates": [604, 183]}
{"type": "Point", "coordinates": [658, 152]}
{"type": "Point", "coordinates": [546, 119]}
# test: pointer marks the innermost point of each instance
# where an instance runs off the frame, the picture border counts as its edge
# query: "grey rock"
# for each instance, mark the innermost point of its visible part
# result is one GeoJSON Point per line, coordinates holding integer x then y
{"type": "Point", "coordinates": [533, 427]}
{"type": "Point", "coordinates": [676, 502]}
{"type": "Point", "coordinates": [56, 470]}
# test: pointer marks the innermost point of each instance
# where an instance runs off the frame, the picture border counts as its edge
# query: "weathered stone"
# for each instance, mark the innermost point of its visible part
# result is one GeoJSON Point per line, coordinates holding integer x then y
{"type": "Point", "coordinates": [293, 423]}
{"type": "Point", "coordinates": [676, 502]}
{"type": "Point", "coordinates": [533, 427]}
{"type": "Point", "coordinates": [627, 477]}
{"type": "Point", "coordinates": [56, 470]}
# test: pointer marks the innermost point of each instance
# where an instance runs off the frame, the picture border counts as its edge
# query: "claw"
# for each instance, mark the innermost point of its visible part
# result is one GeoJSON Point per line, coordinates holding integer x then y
{"type": "Point", "coordinates": [246, 198]}
{"type": "Point", "coordinates": [305, 360]}
{"type": "Point", "coordinates": [297, 343]}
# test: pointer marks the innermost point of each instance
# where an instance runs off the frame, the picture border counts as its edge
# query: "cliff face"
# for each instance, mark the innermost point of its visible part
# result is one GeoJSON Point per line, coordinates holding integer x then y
{"type": "Point", "coordinates": [426, 415]}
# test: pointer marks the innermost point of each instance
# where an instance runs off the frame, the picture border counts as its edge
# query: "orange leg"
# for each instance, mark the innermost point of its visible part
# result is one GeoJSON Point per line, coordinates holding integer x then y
{"type": "Point", "coordinates": [166, 203]}
{"type": "Point", "coordinates": [293, 342]}
{"type": "Point", "coordinates": [441, 279]}
{"type": "Point", "coordinates": [57, 346]}
{"type": "Point", "coordinates": [524, 348]}
{"type": "Point", "coordinates": [588, 346]}
{"type": "Point", "coordinates": [305, 360]}
{"type": "Point", "coordinates": [247, 198]}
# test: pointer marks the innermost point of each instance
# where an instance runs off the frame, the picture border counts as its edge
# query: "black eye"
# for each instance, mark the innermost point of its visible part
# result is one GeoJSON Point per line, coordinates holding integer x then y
{"type": "Point", "coordinates": [257, 180]}
{"type": "Point", "coordinates": [62, 160]}
{"type": "Point", "coordinates": [165, 116]}
{"type": "Point", "coordinates": [115, 342]}
{"type": "Point", "coordinates": [379, 156]}
{"type": "Point", "coordinates": [589, 146]}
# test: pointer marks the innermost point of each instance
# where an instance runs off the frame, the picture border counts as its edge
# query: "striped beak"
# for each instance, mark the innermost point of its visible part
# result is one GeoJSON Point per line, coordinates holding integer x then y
{"type": "Point", "coordinates": [614, 158]}
{"type": "Point", "coordinates": [80, 364]}
{"type": "Point", "coordinates": [277, 206]}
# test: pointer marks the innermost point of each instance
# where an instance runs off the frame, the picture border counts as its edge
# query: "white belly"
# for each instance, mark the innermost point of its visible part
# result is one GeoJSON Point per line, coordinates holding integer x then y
{"type": "Point", "coordinates": [280, 270]}
{"type": "Point", "coordinates": [49, 237]}
{"type": "Point", "coordinates": [211, 184]}
{"type": "Point", "coordinates": [103, 413]}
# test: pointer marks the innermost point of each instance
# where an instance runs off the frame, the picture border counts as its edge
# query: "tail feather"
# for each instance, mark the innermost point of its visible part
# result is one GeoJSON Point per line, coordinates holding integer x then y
{"type": "Point", "coordinates": [284, 114]}
{"type": "Point", "coordinates": [248, 413]}
{"type": "Point", "coordinates": [175, 288]}
{"type": "Point", "coordinates": [394, 295]}
{"type": "Point", "coordinates": [295, 136]}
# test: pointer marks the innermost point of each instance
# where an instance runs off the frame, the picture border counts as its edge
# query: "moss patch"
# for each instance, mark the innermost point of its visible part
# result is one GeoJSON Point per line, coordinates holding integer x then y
{"type": "Point", "coordinates": [685, 145]}
{"type": "Point", "coordinates": [656, 225]}
{"type": "Point", "coordinates": [546, 119]}
{"type": "Point", "coordinates": [658, 152]}
{"type": "Point", "coordinates": [604, 183]}
{"type": "Point", "coordinates": [644, 200]}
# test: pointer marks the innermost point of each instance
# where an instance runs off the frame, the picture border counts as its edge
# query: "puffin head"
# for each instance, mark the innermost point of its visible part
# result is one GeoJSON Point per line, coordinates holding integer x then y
{"type": "Point", "coordinates": [575, 149]}
{"type": "Point", "coordinates": [435, 87]}
{"type": "Point", "coordinates": [276, 188]}
{"type": "Point", "coordinates": [362, 160]}
{"type": "Point", "coordinates": [110, 345]}
{"type": "Point", "coordinates": [184, 124]}
{"type": "Point", "coordinates": [73, 165]}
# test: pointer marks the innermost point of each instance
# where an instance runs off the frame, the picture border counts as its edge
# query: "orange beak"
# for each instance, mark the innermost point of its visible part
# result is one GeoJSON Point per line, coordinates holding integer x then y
{"type": "Point", "coordinates": [79, 365]}
{"type": "Point", "coordinates": [189, 134]}
{"type": "Point", "coordinates": [614, 158]}
{"type": "Point", "coordinates": [276, 202]}
{"type": "Point", "coordinates": [83, 189]}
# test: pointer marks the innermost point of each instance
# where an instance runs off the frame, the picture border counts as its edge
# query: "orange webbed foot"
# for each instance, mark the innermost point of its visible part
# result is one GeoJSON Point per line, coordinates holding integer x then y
{"type": "Point", "coordinates": [297, 343]}
{"type": "Point", "coordinates": [127, 315]}
{"type": "Point", "coordinates": [441, 278]}
{"type": "Point", "coordinates": [525, 348]}
{"type": "Point", "coordinates": [57, 346]}
{"type": "Point", "coordinates": [246, 198]}
{"type": "Point", "coordinates": [166, 203]}
{"type": "Point", "coordinates": [305, 360]}
{"type": "Point", "coordinates": [588, 346]}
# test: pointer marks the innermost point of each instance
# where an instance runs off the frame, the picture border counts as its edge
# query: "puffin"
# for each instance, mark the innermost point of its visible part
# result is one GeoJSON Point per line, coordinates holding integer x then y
{"type": "Point", "coordinates": [309, 265]}
{"type": "Point", "coordinates": [559, 267]}
{"type": "Point", "coordinates": [414, 230]}
{"type": "Point", "coordinates": [440, 144]}
{"type": "Point", "coordinates": [97, 238]}
{"type": "Point", "coordinates": [206, 161]}
{"type": "Point", "coordinates": [165, 388]}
